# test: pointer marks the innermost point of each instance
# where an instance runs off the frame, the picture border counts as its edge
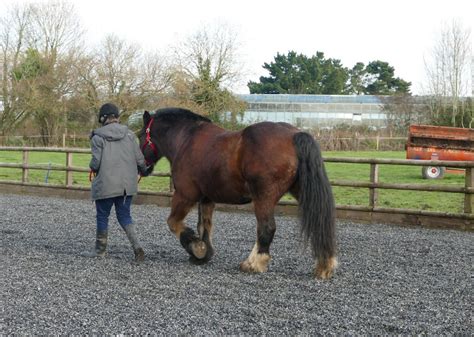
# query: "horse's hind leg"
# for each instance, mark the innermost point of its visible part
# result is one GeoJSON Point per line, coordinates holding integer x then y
{"type": "Point", "coordinates": [180, 207]}
{"type": "Point", "coordinates": [206, 207]}
{"type": "Point", "coordinates": [260, 256]}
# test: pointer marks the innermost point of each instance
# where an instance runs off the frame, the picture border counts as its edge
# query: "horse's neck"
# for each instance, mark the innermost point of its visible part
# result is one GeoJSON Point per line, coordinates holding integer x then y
{"type": "Point", "coordinates": [180, 136]}
{"type": "Point", "coordinates": [174, 138]}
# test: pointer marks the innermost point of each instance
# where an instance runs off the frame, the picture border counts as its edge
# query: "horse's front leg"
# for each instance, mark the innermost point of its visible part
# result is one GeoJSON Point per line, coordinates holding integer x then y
{"type": "Point", "coordinates": [180, 207]}
{"type": "Point", "coordinates": [260, 255]}
{"type": "Point", "coordinates": [204, 227]}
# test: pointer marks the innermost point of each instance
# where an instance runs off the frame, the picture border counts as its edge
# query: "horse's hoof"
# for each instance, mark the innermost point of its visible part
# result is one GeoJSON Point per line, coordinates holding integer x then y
{"type": "Point", "coordinates": [199, 249]}
{"type": "Point", "coordinates": [247, 267]}
{"type": "Point", "coordinates": [205, 259]}
{"type": "Point", "coordinates": [256, 263]}
{"type": "Point", "coordinates": [196, 261]}
{"type": "Point", "coordinates": [210, 252]}
{"type": "Point", "coordinates": [323, 274]}
{"type": "Point", "coordinates": [325, 269]}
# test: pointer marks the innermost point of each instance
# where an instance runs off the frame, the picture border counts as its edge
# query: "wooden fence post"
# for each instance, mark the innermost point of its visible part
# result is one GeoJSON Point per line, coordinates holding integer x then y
{"type": "Point", "coordinates": [374, 178]}
{"type": "Point", "coordinates": [171, 185]}
{"type": "Point", "coordinates": [68, 166]}
{"type": "Point", "coordinates": [469, 198]}
{"type": "Point", "coordinates": [24, 176]}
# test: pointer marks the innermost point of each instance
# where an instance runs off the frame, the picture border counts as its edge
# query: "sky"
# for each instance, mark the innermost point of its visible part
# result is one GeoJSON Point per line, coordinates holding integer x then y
{"type": "Point", "coordinates": [400, 32]}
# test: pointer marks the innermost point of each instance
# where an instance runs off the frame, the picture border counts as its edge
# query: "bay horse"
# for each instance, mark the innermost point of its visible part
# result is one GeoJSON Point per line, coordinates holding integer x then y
{"type": "Point", "coordinates": [258, 164]}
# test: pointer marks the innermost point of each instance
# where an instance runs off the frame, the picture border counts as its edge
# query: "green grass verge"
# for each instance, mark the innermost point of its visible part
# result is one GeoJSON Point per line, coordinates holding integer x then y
{"type": "Point", "coordinates": [431, 201]}
{"type": "Point", "coordinates": [402, 174]}
{"type": "Point", "coordinates": [79, 178]}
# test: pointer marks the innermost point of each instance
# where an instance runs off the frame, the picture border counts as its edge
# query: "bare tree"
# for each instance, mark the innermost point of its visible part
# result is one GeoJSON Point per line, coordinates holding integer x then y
{"type": "Point", "coordinates": [210, 51]}
{"type": "Point", "coordinates": [86, 100]}
{"type": "Point", "coordinates": [448, 72]}
{"type": "Point", "coordinates": [128, 76]}
{"type": "Point", "coordinates": [55, 32]}
{"type": "Point", "coordinates": [12, 43]}
{"type": "Point", "coordinates": [404, 110]}
{"type": "Point", "coordinates": [39, 43]}
{"type": "Point", "coordinates": [208, 62]}
{"type": "Point", "coordinates": [55, 28]}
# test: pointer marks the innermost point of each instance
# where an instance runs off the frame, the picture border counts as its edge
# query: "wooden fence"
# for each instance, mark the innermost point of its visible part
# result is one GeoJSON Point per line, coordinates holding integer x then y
{"type": "Point", "coordinates": [327, 141]}
{"type": "Point", "coordinates": [370, 212]}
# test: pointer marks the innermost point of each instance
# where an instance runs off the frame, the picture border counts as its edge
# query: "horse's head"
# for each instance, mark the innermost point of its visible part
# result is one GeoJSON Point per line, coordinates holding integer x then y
{"type": "Point", "coordinates": [164, 130]}
{"type": "Point", "coordinates": [147, 138]}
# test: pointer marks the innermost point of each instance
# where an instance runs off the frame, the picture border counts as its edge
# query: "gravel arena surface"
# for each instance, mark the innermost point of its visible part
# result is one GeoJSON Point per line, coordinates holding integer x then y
{"type": "Point", "coordinates": [390, 280]}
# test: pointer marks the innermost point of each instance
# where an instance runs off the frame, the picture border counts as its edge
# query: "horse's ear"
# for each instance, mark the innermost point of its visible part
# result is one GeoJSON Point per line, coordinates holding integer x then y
{"type": "Point", "coordinates": [146, 117]}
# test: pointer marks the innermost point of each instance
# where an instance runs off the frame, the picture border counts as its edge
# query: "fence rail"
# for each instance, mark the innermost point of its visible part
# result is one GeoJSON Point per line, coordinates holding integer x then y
{"type": "Point", "coordinates": [373, 185]}
{"type": "Point", "coordinates": [328, 141]}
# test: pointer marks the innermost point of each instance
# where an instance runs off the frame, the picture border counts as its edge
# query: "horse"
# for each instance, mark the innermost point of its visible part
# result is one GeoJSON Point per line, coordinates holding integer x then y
{"type": "Point", "coordinates": [257, 164]}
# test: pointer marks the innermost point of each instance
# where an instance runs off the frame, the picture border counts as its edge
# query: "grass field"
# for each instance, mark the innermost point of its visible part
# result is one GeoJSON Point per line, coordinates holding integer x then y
{"type": "Point", "coordinates": [432, 201]}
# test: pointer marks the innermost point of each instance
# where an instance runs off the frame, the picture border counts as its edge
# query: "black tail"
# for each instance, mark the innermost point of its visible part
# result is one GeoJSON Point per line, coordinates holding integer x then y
{"type": "Point", "coordinates": [316, 201]}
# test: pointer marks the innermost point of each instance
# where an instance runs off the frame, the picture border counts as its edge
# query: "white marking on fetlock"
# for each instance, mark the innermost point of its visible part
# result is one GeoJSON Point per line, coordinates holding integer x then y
{"type": "Point", "coordinates": [251, 257]}
{"type": "Point", "coordinates": [256, 262]}
{"type": "Point", "coordinates": [261, 262]}
{"type": "Point", "coordinates": [253, 254]}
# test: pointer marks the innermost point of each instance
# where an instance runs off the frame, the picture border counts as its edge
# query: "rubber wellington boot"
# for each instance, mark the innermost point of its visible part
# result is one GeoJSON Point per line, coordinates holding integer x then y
{"type": "Point", "coordinates": [137, 247]}
{"type": "Point", "coordinates": [101, 244]}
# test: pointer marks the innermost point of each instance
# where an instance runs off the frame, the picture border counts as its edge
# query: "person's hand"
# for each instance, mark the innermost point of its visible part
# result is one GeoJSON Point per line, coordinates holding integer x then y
{"type": "Point", "coordinates": [148, 171]}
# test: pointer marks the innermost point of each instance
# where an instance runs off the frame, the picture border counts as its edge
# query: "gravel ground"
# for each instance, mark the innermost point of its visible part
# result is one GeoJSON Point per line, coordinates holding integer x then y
{"type": "Point", "coordinates": [391, 280]}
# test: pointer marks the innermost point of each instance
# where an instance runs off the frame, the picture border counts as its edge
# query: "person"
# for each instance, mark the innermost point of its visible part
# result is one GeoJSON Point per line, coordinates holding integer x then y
{"type": "Point", "coordinates": [116, 161]}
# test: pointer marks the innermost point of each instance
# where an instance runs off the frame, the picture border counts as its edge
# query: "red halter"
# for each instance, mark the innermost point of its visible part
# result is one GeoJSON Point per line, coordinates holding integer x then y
{"type": "Point", "coordinates": [148, 142]}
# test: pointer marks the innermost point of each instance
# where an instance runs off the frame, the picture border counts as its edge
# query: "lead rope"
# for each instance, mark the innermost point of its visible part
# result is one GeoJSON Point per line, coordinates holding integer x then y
{"type": "Point", "coordinates": [91, 173]}
{"type": "Point", "coordinates": [148, 142]}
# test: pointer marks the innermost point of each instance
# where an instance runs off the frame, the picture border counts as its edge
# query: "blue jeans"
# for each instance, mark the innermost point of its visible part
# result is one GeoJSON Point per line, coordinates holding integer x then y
{"type": "Point", "coordinates": [122, 210]}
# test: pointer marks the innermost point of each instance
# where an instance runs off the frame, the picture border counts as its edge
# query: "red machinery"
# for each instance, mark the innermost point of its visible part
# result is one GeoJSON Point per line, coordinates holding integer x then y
{"type": "Point", "coordinates": [428, 142]}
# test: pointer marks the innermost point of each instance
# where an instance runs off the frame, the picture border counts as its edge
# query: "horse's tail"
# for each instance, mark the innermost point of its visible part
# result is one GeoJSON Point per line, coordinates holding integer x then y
{"type": "Point", "coordinates": [316, 201]}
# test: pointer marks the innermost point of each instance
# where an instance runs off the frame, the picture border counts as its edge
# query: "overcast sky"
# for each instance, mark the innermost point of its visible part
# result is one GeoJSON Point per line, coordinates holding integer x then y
{"type": "Point", "coordinates": [398, 32]}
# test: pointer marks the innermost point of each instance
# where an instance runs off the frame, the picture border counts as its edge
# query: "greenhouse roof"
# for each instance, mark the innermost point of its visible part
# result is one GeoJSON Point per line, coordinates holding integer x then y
{"type": "Point", "coordinates": [279, 98]}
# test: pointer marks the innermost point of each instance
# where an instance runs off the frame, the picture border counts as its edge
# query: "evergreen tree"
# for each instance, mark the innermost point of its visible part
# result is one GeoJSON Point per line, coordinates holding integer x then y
{"type": "Point", "coordinates": [297, 74]}
{"type": "Point", "coordinates": [381, 80]}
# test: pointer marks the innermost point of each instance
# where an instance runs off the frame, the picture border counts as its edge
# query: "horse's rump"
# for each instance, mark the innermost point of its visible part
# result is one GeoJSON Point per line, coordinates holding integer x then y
{"type": "Point", "coordinates": [269, 156]}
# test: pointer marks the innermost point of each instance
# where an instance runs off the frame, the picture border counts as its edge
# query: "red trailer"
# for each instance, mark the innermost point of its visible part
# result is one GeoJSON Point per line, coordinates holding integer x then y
{"type": "Point", "coordinates": [428, 142]}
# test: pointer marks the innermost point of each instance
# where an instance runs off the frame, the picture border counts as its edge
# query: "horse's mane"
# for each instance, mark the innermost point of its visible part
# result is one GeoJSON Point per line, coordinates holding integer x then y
{"type": "Point", "coordinates": [172, 115]}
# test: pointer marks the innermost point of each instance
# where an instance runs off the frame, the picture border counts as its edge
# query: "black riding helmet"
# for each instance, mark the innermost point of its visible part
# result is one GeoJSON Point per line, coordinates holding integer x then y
{"type": "Point", "coordinates": [106, 110]}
